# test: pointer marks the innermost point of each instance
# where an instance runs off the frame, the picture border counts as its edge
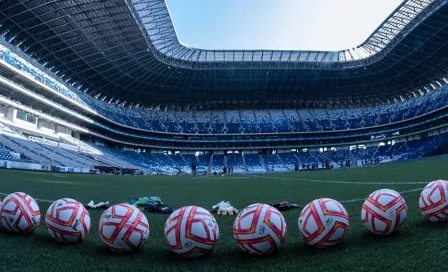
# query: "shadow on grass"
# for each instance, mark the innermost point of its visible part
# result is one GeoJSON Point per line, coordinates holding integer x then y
{"type": "Point", "coordinates": [168, 255]}
{"type": "Point", "coordinates": [103, 252]}
{"type": "Point", "coordinates": [236, 255]}
{"type": "Point", "coordinates": [46, 239]}
{"type": "Point", "coordinates": [426, 224]}
{"type": "Point", "coordinates": [303, 249]}
{"type": "Point", "coordinates": [27, 236]}
{"type": "Point", "coordinates": [367, 238]}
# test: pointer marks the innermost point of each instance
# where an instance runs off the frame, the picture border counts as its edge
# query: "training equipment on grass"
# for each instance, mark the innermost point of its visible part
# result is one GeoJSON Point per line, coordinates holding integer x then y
{"type": "Point", "coordinates": [67, 221]}
{"type": "Point", "coordinates": [323, 223]}
{"type": "Point", "coordinates": [433, 201]}
{"type": "Point", "coordinates": [285, 206]}
{"type": "Point", "coordinates": [100, 205]}
{"type": "Point", "coordinates": [259, 229]}
{"type": "Point", "coordinates": [20, 213]}
{"type": "Point", "coordinates": [191, 231]}
{"type": "Point", "coordinates": [123, 228]}
{"type": "Point", "coordinates": [224, 208]}
{"type": "Point", "coordinates": [151, 204]}
{"type": "Point", "coordinates": [383, 212]}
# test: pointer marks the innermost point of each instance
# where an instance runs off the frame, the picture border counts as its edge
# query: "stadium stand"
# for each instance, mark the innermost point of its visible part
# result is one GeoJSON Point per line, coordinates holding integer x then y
{"type": "Point", "coordinates": [5, 154]}
{"type": "Point", "coordinates": [236, 161]}
{"type": "Point", "coordinates": [85, 130]}
{"type": "Point", "coordinates": [257, 121]}
{"type": "Point", "coordinates": [75, 153]}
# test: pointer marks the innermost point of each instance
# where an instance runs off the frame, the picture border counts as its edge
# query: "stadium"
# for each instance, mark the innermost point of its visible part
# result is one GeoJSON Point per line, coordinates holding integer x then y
{"type": "Point", "coordinates": [99, 100]}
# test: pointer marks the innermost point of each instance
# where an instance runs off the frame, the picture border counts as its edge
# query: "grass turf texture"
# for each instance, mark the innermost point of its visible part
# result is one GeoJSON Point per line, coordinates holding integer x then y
{"type": "Point", "coordinates": [418, 245]}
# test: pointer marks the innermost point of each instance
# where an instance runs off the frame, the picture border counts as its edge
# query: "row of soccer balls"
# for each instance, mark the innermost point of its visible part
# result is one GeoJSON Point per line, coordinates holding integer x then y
{"type": "Point", "coordinates": [192, 231]}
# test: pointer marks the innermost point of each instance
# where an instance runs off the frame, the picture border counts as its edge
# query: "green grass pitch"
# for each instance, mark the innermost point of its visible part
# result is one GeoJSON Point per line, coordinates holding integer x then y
{"type": "Point", "coordinates": [418, 246]}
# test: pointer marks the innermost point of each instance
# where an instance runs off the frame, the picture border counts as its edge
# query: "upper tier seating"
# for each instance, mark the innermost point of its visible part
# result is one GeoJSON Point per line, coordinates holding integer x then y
{"type": "Point", "coordinates": [218, 122]}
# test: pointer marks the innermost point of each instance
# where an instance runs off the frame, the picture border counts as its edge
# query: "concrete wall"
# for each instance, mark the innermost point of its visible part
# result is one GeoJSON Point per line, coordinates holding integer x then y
{"type": "Point", "coordinates": [20, 165]}
{"type": "Point", "coordinates": [3, 109]}
{"type": "Point", "coordinates": [38, 167]}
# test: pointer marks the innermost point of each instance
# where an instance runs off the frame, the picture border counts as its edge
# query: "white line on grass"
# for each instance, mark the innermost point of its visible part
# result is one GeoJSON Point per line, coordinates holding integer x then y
{"type": "Point", "coordinates": [200, 177]}
{"type": "Point", "coordinates": [342, 201]}
{"type": "Point", "coordinates": [37, 199]}
{"type": "Point", "coordinates": [362, 199]}
{"type": "Point", "coordinates": [226, 178]}
{"type": "Point", "coordinates": [58, 182]}
{"type": "Point", "coordinates": [309, 180]}
{"type": "Point", "coordinates": [344, 182]}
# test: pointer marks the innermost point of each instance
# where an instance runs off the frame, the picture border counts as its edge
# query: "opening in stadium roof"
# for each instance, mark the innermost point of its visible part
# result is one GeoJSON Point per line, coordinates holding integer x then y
{"type": "Point", "coordinates": [156, 22]}
{"type": "Point", "coordinates": [320, 25]}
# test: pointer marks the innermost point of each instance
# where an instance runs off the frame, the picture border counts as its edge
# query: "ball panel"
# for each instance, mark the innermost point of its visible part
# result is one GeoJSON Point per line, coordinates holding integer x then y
{"type": "Point", "coordinates": [260, 246]}
{"type": "Point", "coordinates": [274, 219]}
{"type": "Point", "coordinates": [433, 202]}
{"type": "Point", "coordinates": [123, 228]}
{"type": "Point", "coordinates": [332, 207]}
{"type": "Point", "coordinates": [173, 228]}
{"type": "Point", "coordinates": [259, 229]}
{"type": "Point", "coordinates": [323, 222]}
{"type": "Point", "coordinates": [20, 213]}
{"type": "Point", "coordinates": [376, 221]}
{"type": "Point", "coordinates": [310, 224]}
{"type": "Point", "coordinates": [383, 212]}
{"type": "Point", "coordinates": [191, 231]}
{"type": "Point", "coordinates": [67, 221]}
{"type": "Point", "coordinates": [248, 219]}
{"type": "Point", "coordinates": [199, 230]}
{"type": "Point", "coordinates": [402, 212]}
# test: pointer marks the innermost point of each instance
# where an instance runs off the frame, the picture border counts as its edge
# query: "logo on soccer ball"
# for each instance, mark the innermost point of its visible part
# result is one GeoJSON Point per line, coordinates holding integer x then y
{"type": "Point", "coordinates": [123, 228]}
{"type": "Point", "coordinates": [67, 221]}
{"type": "Point", "coordinates": [20, 213]}
{"type": "Point", "coordinates": [259, 229]}
{"type": "Point", "coordinates": [323, 223]}
{"type": "Point", "coordinates": [191, 231]}
{"type": "Point", "coordinates": [383, 212]}
{"type": "Point", "coordinates": [433, 201]}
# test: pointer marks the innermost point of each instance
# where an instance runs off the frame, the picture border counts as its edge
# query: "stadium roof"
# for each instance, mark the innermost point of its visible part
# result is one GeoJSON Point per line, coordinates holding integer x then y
{"type": "Point", "coordinates": [321, 25]}
{"type": "Point", "coordinates": [128, 50]}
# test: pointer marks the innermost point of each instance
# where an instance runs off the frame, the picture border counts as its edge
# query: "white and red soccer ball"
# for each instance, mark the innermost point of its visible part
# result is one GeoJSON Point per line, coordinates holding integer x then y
{"type": "Point", "coordinates": [0, 212]}
{"type": "Point", "coordinates": [20, 213]}
{"type": "Point", "coordinates": [323, 223]}
{"type": "Point", "coordinates": [433, 201]}
{"type": "Point", "coordinates": [123, 228]}
{"type": "Point", "coordinates": [384, 211]}
{"type": "Point", "coordinates": [191, 231]}
{"type": "Point", "coordinates": [259, 229]}
{"type": "Point", "coordinates": [67, 221]}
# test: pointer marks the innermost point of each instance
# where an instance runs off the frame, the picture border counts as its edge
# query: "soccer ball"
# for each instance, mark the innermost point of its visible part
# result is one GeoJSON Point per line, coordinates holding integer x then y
{"type": "Point", "coordinates": [68, 221]}
{"type": "Point", "coordinates": [323, 223]}
{"type": "Point", "coordinates": [191, 231]}
{"type": "Point", "coordinates": [259, 229]}
{"type": "Point", "coordinates": [433, 201]}
{"type": "Point", "coordinates": [383, 212]}
{"type": "Point", "coordinates": [20, 213]}
{"type": "Point", "coordinates": [123, 228]}
{"type": "Point", "coordinates": [0, 211]}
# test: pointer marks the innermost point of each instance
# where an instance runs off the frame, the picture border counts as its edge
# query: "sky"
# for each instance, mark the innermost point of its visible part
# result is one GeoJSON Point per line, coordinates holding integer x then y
{"type": "Point", "coordinates": [327, 25]}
